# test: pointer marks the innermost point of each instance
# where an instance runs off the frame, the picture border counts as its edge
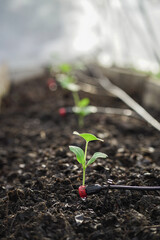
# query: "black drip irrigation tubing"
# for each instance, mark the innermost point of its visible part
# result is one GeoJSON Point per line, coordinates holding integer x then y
{"type": "Point", "coordinates": [93, 189]}
{"type": "Point", "coordinates": [116, 91]}
{"type": "Point", "coordinates": [84, 191]}
{"type": "Point", "coordinates": [105, 110]}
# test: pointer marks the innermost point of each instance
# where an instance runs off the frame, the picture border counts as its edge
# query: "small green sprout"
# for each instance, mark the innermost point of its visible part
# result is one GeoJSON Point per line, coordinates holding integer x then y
{"type": "Point", "coordinates": [82, 109]}
{"type": "Point", "coordinates": [67, 80]}
{"type": "Point", "coordinates": [82, 155]}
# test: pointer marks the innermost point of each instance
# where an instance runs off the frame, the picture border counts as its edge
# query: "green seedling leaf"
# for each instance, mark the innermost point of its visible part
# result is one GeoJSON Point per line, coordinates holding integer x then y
{"type": "Point", "coordinates": [82, 111]}
{"type": "Point", "coordinates": [65, 68]}
{"type": "Point", "coordinates": [82, 156]}
{"type": "Point", "coordinates": [68, 82]}
{"type": "Point", "coordinates": [95, 156]}
{"type": "Point", "coordinates": [84, 102]}
{"type": "Point", "coordinates": [64, 79]}
{"type": "Point", "coordinates": [87, 136]}
{"type": "Point", "coordinates": [73, 87]}
{"type": "Point", "coordinates": [78, 152]}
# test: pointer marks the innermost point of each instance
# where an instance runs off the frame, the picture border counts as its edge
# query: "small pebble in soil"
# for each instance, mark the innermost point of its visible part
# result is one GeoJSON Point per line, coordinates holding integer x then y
{"type": "Point", "coordinates": [22, 165]}
{"type": "Point", "coordinates": [84, 199]}
{"type": "Point", "coordinates": [43, 135]}
{"type": "Point", "coordinates": [79, 219]}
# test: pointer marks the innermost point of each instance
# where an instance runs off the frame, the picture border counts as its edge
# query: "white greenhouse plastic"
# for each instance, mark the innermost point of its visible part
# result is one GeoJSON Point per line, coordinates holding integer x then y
{"type": "Point", "coordinates": [120, 32]}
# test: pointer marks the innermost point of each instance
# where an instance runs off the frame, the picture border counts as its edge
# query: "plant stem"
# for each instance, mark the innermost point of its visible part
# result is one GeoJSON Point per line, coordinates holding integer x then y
{"type": "Point", "coordinates": [80, 120]}
{"type": "Point", "coordinates": [84, 164]}
{"type": "Point", "coordinates": [84, 171]}
{"type": "Point", "coordinates": [76, 98]}
{"type": "Point", "coordinates": [76, 102]}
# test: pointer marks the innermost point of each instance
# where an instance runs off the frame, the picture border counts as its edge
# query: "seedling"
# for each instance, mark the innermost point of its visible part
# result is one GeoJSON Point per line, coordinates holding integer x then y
{"type": "Point", "coordinates": [82, 155]}
{"type": "Point", "coordinates": [82, 109]}
{"type": "Point", "coordinates": [68, 81]}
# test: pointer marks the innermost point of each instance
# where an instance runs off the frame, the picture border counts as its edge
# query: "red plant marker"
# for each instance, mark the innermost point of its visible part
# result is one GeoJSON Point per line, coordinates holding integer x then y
{"type": "Point", "coordinates": [62, 112]}
{"type": "Point", "coordinates": [51, 84]}
{"type": "Point", "coordinates": [82, 191]}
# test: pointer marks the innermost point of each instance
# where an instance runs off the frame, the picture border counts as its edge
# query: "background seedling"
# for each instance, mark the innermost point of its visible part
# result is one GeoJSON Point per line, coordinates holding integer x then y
{"type": "Point", "coordinates": [82, 155]}
{"type": "Point", "coordinates": [67, 81]}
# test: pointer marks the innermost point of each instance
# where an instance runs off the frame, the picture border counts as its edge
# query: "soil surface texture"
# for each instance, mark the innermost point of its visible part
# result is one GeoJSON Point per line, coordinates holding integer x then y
{"type": "Point", "coordinates": [39, 176]}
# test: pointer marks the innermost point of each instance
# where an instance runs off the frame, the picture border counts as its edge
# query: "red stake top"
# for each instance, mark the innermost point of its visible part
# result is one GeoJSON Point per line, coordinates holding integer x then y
{"type": "Point", "coordinates": [51, 81]}
{"type": "Point", "coordinates": [62, 112]}
{"type": "Point", "coordinates": [82, 191]}
{"type": "Point", "coordinates": [52, 84]}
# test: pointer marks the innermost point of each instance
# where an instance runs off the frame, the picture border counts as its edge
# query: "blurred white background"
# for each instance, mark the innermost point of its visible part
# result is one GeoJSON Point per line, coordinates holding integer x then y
{"type": "Point", "coordinates": [120, 32]}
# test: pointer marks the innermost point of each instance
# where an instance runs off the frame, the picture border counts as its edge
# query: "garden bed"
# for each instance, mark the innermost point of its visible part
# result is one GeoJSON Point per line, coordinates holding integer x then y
{"type": "Point", "coordinates": [39, 176]}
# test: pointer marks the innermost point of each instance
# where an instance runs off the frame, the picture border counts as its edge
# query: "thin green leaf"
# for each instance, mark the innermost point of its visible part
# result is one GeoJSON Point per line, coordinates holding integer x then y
{"type": "Point", "coordinates": [64, 79]}
{"type": "Point", "coordinates": [78, 152]}
{"type": "Point", "coordinates": [87, 136]}
{"type": "Point", "coordinates": [83, 111]}
{"type": "Point", "coordinates": [68, 82]}
{"type": "Point", "coordinates": [95, 156]}
{"type": "Point", "coordinates": [73, 87]}
{"type": "Point", "coordinates": [65, 68]}
{"type": "Point", "coordinates": [84, 102]}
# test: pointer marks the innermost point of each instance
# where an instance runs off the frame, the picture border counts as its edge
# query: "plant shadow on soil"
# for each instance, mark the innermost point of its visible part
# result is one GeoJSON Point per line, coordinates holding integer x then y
{"type": "Point", "coordinates": [39, 176]}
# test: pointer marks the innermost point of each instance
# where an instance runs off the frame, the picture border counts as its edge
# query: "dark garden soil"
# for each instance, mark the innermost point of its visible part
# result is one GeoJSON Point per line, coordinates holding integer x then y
{"type": "Point", "coordinates": [39, 176]}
